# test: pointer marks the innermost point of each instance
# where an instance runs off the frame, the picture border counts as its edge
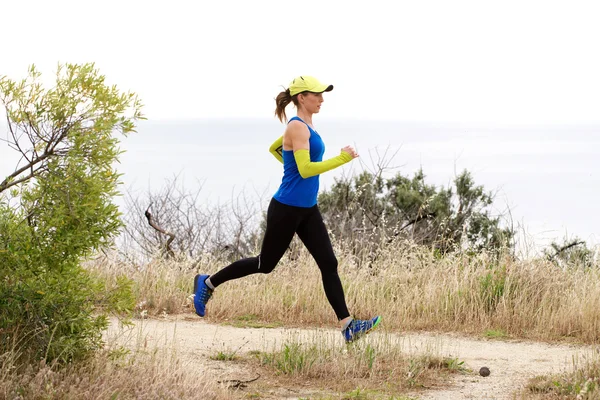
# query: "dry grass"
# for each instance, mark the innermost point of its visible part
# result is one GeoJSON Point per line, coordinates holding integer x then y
{"type": "Point", "coordinates": [409, 286]}
{"type": "Point", "coordinates": [377, 366]}
{"type": "Point", "coordinates": [160, 287]}
{"type": "Point", "coordinates": [110, 374]}
{"type": "Point", "coordinates": [364, 394]}
{"type": "Point", "coordinates": [583, 383]}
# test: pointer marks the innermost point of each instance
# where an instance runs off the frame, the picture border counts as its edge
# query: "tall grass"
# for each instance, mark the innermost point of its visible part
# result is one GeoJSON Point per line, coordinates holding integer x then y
{"type": "Point", "coordinates": [378, 365]}
{"type": "Point", "coordinates": [411, 287]}
{"type": "Point", "coordinates": [582, 383]}
{"type": "Point", "coordinates": [108, 374]}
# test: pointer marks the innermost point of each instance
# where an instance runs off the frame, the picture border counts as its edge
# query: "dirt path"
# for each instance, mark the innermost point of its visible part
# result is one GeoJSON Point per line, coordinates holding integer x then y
{"type": "Point", "coordinates": [511, 362]}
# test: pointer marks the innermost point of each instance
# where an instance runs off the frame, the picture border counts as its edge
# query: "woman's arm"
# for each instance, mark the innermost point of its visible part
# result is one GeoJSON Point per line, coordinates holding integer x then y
{"type": "Point", "coordinates": [299, 135]}
{"type": "Point", "coordinates": [308, 168]}
{"type": "Point", "coordinates": [277, 149]}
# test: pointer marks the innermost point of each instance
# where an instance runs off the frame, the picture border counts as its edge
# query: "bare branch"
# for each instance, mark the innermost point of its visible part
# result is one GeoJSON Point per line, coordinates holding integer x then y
{"type": "Point", "coordinates": [564, 248]}
{"type": "Point", "coordinates": [7, 183]}
{"type": "Point", "coordinates": [153, 224]}
{"type": "Point", "coordinates": [236, 383]}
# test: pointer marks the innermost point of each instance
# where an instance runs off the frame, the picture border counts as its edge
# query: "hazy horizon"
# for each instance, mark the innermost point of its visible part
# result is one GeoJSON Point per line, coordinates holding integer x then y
{"type": "Point", "coordinates": [546, 175]}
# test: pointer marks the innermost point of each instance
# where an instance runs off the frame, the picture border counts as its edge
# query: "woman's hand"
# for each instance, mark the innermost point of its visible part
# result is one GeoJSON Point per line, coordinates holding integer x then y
{"type": "Point", "coordinates": [350, 150]}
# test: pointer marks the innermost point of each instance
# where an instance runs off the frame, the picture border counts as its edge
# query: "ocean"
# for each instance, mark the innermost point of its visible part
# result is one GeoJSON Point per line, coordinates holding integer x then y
{"type": "Point", "coordinates": [546, 179]}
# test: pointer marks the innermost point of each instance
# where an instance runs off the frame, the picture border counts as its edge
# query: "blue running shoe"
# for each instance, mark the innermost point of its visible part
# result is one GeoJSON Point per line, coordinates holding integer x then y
{"type": "Point", "coordinates": [359, 328]}
{"type": "Point", "coordinates": [202, 294]}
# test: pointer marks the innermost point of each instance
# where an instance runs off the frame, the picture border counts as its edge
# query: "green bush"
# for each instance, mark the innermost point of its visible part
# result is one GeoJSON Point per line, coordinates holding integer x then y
{"type": "Point", "coordinates": [58, 211]}
{"type": "Point", "coordinates": [369, 209]}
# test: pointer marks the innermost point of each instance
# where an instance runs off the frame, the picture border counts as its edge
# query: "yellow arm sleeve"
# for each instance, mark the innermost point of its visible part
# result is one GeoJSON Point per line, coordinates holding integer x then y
{"type": "Point", "coordinates": [308, 168]}
{"type": "Point", "coordinates": [277, 149]}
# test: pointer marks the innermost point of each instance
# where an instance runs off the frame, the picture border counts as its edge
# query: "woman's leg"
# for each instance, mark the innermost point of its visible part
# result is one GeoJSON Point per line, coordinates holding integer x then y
{"type": "Point", "coordinates": [282, 221]}
{"type": "Point", "coordinates": [313, 233]}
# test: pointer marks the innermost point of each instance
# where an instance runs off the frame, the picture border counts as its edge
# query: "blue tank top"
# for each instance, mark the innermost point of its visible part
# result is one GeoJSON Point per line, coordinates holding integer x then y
{"type": "Point", "coordinates": [294, 189]}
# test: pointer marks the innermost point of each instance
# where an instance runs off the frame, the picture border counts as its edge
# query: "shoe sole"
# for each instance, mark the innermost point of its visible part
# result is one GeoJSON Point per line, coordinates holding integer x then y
{"type": "Point", "coordinates": [374, 325]}
{"type": "Point", "coordinates": [195, 289]}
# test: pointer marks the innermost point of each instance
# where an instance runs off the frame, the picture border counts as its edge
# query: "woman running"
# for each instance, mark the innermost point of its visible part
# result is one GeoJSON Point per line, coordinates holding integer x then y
{"type": "Point", "coordinates": [293, 209]}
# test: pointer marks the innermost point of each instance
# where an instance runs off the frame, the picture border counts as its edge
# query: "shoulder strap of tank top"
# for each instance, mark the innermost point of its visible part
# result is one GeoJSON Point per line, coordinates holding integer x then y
{"type": "Point", "coordinates": [297, 119]}
{"type": "Point", "coordinates": [311, 130]}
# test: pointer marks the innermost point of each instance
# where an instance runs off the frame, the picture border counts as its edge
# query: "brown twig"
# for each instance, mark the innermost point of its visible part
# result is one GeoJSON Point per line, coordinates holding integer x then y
{"type": "Point", "coordinates": [236, 383]}
{"type": "Point", "coordinates": [566, 247]}
{"type": "Point", "coordinates": [414, 221]}
{"type": "Point", "coordinates": [153, 224]}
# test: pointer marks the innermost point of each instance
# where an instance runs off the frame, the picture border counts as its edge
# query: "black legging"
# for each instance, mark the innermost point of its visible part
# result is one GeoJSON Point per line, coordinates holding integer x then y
{"type": "Point", "coordinates": [282, 222]}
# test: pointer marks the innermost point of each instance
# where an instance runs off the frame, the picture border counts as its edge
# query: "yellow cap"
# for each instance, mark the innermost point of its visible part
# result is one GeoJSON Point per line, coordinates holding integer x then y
{"type": "Point", "coordinates": [308, 84]}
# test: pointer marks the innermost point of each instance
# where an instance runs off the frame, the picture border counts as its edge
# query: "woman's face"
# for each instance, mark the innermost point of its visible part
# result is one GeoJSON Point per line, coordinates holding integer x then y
{"type": "Point", "coordinates": [311, 101]}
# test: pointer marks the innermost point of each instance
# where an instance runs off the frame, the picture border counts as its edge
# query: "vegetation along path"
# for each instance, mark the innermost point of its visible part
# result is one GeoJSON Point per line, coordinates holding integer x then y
{"type": "Point", "coordinates": [197, 343]}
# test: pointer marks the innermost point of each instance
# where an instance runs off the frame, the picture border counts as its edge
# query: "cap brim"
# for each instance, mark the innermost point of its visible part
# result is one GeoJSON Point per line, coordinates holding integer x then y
{"type": "Point", "coordinates": [318, 89]}
{"type": "Point", "coordinates": [321, 89]}
{"type": "Point", "coordinates": [326, 89]}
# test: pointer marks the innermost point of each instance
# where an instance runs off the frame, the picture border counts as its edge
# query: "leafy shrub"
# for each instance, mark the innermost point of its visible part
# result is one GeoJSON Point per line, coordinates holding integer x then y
{"type": "Point", "coordinates": [59, 210]}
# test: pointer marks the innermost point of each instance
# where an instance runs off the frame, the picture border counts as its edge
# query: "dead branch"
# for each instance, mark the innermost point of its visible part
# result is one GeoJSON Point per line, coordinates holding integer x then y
{"type": "Point", "coordinates": [236, 383]}
{"type": "Point", "coordinates": [564, 248]}
{"type": "Point", "coordinates": [414, 221]}
{"type": "Point", "coordinates": [153, 224]}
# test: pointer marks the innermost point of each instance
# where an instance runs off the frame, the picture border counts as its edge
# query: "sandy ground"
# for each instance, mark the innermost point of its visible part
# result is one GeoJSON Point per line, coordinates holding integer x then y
{"type": "Point", "coordinates": [511, 363]}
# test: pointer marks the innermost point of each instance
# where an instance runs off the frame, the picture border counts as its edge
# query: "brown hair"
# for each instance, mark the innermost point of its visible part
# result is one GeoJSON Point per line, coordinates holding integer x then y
{"type": "Point", "coordinates": [282, 100]}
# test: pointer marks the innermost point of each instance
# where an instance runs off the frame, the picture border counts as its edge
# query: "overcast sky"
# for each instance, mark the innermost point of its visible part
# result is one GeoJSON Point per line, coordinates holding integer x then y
{"type": "Point", "coordinates": [507, 62]}
{"type": "Point", "coordinates": [432, 63]}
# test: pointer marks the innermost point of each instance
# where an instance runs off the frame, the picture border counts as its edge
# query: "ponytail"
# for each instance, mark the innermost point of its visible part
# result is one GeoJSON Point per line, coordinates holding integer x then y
{"type": "Point", "coordinates": [282, 100]}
